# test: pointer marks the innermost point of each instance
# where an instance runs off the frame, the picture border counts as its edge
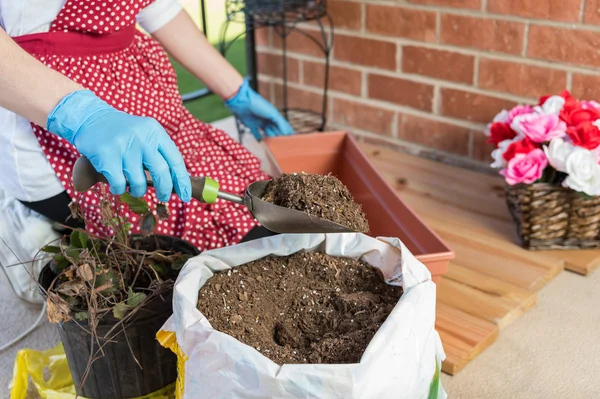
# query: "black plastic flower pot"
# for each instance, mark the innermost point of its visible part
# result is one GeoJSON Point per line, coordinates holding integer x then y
{"type": "Point", "coordinates": [132, 362]}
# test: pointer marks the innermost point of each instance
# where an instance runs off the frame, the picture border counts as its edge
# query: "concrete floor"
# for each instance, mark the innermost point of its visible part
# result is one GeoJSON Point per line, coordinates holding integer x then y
{"type": "Point", "coordinates": [550, 353]}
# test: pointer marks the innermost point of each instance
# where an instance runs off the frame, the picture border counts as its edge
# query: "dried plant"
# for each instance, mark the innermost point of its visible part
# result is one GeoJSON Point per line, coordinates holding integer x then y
{"type": "Point", "coordinates": [113, 276]}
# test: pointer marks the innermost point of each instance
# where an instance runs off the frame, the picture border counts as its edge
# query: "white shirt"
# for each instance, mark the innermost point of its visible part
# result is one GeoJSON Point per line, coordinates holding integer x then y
{"type": "Point", "coordinates": [25, 173]}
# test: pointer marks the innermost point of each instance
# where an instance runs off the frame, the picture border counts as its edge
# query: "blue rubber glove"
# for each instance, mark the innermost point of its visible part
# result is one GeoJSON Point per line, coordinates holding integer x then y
{"type": "Point", "coordinates": [119, 145]}
{"type": "Point", "coordinates": [257, 113]}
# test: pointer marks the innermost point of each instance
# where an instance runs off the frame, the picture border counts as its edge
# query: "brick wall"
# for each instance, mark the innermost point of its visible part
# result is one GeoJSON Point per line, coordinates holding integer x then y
{"type": "Point", "coordinates": [427, 75]}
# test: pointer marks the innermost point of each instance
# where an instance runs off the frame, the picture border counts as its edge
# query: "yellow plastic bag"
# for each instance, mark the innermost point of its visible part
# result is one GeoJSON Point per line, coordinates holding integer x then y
{"type": "Point", "coordinates": [51, 376]}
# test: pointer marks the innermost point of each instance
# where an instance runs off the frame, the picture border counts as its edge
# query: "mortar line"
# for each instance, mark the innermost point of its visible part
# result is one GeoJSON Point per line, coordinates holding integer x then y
{"type": "Point", "coordinates": [484, 4]}
{"type": "Point", "coordinates": [438, 27]}
{"type": "Point", "coordinates": [477, 61]}
{"type": "Point", "coordinates": [590, 70]}
{"type": "Point", "coordinates": [399, 51]}
{"type": "Point", "coordinates": [363, 17]}
{"type": "Point", "coordinates": [437, 100]}
{"type": "Point", "coordinates": [582, 11]}
{"type": "Point", "coordinates": [364, 87]}
{"type": "Point", "coordinates": [525, 40]}
{"type": "Point", "coordinates": [569, 81]}
{"type": "Point", "coordinates": [388, 106]}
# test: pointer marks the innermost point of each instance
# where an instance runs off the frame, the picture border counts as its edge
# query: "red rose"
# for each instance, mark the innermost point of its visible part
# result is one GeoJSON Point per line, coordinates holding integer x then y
{"type": "Point", "coordinates": [586, 135]}
{"type": "Point", "coordinates": [573, 114]}
{"type": "Point", "coordinates": [499, 132]}
{"type": "Point", "coordinates": [524, 146]}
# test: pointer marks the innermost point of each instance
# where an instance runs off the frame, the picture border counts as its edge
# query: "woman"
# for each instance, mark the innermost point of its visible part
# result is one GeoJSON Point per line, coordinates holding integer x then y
{"type": "Point", "coordinates": [110, 94]}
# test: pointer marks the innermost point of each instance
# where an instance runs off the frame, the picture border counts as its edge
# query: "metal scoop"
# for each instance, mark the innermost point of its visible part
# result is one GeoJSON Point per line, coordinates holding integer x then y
{"type": "Point", "coordinates": [275, 218]}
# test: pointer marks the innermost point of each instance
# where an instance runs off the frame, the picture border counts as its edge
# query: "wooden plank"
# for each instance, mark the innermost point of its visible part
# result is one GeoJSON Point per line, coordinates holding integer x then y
{"type": "Point", "coordinates": [463, 336]}
{"type": "Point", "coordinates": [483, 296]}
{"type": "Point", "coordinates": [580, 261]}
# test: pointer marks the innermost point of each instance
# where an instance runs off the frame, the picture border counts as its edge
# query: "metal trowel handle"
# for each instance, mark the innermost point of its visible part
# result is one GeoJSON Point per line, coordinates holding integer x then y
{"type": "Point", "coordinates": [204, 189]}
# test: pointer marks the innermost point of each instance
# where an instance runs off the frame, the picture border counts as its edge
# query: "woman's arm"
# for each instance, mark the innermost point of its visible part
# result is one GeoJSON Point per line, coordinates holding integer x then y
{"type": "Point", "coordinates": [187, 44]}
{"type": "Point", "coordinates": [28, 87]}
{"type": "Point", "coordinates": [117, 144]}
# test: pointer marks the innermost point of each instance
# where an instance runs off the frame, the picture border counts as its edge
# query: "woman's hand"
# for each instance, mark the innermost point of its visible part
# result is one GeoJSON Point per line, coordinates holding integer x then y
{"type": "Point", "coordinates": [119, 145]}
{"type": "Point", "coordinates": [257, 113]}
{"type": "Point", "coordinates": [187, 44]}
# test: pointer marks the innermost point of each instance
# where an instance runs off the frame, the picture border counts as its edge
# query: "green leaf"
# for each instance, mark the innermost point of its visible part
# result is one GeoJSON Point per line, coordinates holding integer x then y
{"type": "Point", "coordinates": [585, 196]}
{"type": "Point", "coordinates": [51, 249]}
{"type": "Point", "coordinates": [120, 310]}
{"type": "Point", "coordinates": [180, 262]}
{"type": "Point", "coordinates": [159, 269]}
{"type": "Point", "coordinates": [136, 205]}
{"type": "Point", "coordinates": [81, 316]}
{"type": "Point", "coordinates": [74, 240]}
{"type": "Point", "coordinates": [60, 263]}
{"type": "Point", "coordinates": [135, 298]}
{"type": "Point", "coordinates": [73, 253]}
{"type": "Point", "coordinates": [148, 224]}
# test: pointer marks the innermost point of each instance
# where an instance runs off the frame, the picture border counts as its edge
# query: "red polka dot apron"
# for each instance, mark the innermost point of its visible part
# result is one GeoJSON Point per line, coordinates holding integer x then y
{"type": "Point", "coordinates": [95, 43]}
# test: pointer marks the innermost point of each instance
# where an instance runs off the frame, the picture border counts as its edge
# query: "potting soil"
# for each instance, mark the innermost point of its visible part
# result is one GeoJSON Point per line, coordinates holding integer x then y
{"type": "Point", "coordinates": [303, 308]}
{"type": "Point", "coordinates": [322, 196]}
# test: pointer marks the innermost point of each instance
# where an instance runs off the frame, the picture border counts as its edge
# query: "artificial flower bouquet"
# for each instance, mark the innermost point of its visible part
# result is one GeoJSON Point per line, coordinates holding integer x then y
{"type": "Point", "coordinates": [549, 155]}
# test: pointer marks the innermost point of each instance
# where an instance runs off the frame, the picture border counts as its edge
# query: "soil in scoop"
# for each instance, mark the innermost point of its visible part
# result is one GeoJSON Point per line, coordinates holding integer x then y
{"type": "Point", "coordinates": [303, 308]}
{"type": "Point", "coordinates": [322, 196]}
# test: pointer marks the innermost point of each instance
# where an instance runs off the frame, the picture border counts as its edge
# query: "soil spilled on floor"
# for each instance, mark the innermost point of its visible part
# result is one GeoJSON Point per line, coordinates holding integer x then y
{"type": "Point", "coordinates": [322, 196]}
{"type": "Point", "coordinates": [303, 308]}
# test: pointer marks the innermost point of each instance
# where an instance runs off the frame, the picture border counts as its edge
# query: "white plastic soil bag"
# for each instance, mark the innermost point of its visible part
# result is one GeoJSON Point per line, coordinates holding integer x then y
{"type": "Point", "coordinates": [402, 360]}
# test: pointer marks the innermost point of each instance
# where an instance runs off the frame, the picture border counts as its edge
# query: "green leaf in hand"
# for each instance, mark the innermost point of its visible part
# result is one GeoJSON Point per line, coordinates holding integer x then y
{"type": "Point", "coordinates": [136, 205]}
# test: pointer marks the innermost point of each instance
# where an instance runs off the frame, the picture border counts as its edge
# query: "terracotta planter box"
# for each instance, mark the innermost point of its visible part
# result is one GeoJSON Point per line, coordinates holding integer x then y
{"type": "Point", "coordinates": [339, 154]}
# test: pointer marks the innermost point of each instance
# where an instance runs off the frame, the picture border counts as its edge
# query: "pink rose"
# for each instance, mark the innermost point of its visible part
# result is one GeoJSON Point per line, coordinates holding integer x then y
{"type": "Point", "coordinates": [517, 111]}
{"type": "Point", "coordinates": [589, 104]}
{"type": "Point", "coordinates": [525, 168]}
{"type": "Point", "coordinates": [540, 128]}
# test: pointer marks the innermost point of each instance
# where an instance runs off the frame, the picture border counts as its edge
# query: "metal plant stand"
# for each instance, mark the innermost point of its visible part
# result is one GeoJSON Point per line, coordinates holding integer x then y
{"type": "Point", "coordinates": [284, 17]}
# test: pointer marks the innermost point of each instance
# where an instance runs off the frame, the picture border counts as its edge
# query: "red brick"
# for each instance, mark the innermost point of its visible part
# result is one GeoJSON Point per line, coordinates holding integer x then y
{"type": "Point", "coordinates": [271, 65]}
{"type": "Point", "coordinates": [362, 116]}
{"type": "Point", "coordinates": [401, 91]}
{"type": "Point", "coordinates": [586, 87]}
{"type": "Point", "coordinates": [434, 134]}
{"type": "Point", "coordinates": [471, 106]}
{"type": "Point", "coordinates": [483, 33]}
{"type": "Point", "coordinates": [438, 64]}
{"type": "Point", "coordinates": [341, 79]}
{"type": "Point", "coordinates": [555, 10]}
{"type": "Point", "coordinates": [297, 98]}
{"type": "Point", "coordinates": [264, 88]}
{"type": "Point", "coordinates": [299, 43]}
{"type": "Point", "coordinates": [592, 12]}
{"type": "Point", "coordinates": [471, 4]}
{"type": "Point", "coordinates": [263, 37]}
{"type": "Point", "coordinates": [482, 150]}
{"type": "Point", "coordinates": [573, 46]}
{"type": "Point", "coordinates": [401, 22]}
{"type": "Point", "coordinates": [367, 52]}
{"type": "Point", "coordinates": [521, 79]}
{"type": "Point", "coordinates": [345, 14]}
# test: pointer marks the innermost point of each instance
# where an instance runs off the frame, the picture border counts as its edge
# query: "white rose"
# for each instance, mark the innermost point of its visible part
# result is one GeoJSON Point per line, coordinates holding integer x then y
{"type": "Point", "coordinates": [557, 152]}
{"type": "Point", "coordinates": [501, 117]}
{"type": "Point", "coordinates": [497, 154]}
{"type": "Point", "coordinates": [552, 106]}
{"type": "Point", "coordinates": [584, 171]}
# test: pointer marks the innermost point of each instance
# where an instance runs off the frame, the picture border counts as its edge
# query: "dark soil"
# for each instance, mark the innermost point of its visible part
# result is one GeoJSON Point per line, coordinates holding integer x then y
{"type": "Point", "coordinates": [304, 308]}
{"type": "Point", "coordinates": [322, 196]}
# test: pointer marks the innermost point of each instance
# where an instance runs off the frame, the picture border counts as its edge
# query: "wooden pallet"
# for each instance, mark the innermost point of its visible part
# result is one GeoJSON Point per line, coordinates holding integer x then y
{"type": "Point", "coordinates": [492, 281]}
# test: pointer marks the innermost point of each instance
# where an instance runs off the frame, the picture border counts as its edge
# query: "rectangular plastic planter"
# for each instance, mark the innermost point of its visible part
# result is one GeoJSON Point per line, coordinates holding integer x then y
{"type": "Point", "coordinates": [339, 154]}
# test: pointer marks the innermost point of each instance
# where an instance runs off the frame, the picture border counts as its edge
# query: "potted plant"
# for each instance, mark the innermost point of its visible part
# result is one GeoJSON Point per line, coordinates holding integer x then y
{"type": "Point", "coordinates": [548, 154]}
{"type": "Point", "coordinates": [109, 296]}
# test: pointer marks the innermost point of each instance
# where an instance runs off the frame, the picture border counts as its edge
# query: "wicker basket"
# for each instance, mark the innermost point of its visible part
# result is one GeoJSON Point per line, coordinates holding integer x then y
{"type": "Point", "coordinates": [553, 217]}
